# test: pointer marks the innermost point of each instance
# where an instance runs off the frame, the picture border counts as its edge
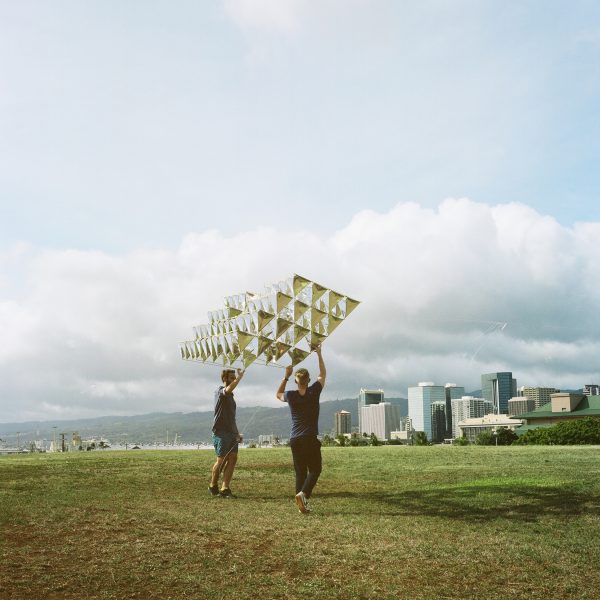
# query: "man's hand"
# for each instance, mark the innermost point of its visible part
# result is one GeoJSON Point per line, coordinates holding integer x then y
{"type": "Point", "coordinates": [316, 348]}
{"type": "Point", "coordinates": [240, 373]}
{"type": "Point", "coordinates": [288, 371]}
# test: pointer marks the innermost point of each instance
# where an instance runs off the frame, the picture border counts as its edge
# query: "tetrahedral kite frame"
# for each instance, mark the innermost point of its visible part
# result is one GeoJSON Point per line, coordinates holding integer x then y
{"type": "Point", "coordinates": [279, 327]}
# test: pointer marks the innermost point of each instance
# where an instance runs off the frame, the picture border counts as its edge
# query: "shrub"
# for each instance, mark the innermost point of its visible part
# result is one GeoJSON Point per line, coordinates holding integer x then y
{"type": "Point", "coordinates": [357, 440]}
{"type": "Point", "coordinates": [567, 433]}
{"type": "Point", "coordinates": [502, 437]}
{"type": "Point", "coordinates": [485, 438]}
{"type": "Point", "coordinates": [421, 439]}
{"type": "Point", "coordinates": [506, 436]}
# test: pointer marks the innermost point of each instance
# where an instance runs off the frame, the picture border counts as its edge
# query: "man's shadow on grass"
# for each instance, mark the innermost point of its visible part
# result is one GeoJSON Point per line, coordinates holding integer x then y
{"type": "Point", "coordinates": [480, 503]}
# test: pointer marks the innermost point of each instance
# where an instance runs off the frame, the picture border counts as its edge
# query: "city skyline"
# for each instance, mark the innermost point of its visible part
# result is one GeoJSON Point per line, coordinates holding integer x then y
{"type": "Point", "coordinates": [414, 157]}
{"type": "Point", "coordinates": [379, 395]}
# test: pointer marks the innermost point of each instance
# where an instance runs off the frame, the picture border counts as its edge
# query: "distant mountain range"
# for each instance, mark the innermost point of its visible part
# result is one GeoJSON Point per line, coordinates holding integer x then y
{"type": "Point", "coordinates": [190, 428]}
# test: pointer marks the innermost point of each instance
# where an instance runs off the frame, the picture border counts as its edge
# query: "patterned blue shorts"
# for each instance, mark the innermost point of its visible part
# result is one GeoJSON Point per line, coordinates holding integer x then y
{"type": "Point", "coordinates": [225, 443]}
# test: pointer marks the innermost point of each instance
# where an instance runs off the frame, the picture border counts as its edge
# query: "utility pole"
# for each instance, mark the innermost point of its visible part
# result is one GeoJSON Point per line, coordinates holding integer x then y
{"type": "Point", "coordinates": [54, 438]}
{"type": "Point", "coordinates": [18, 441]}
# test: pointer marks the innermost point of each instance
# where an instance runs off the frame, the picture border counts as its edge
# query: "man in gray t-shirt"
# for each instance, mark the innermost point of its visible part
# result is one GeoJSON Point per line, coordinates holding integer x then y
{"type": "Point", "coordinates": [225, 433]}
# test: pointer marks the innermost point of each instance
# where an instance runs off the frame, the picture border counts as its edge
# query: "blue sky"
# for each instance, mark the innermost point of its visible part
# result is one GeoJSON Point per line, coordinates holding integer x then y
{"type": "Point", "coordinates": [134, 123]}
{"type": "Point", "coordinates": [144, 134]}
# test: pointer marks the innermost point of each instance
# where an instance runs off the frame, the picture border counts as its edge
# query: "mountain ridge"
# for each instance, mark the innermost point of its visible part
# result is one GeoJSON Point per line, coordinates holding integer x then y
{"type": "Point", "coordinates": [160, 427]}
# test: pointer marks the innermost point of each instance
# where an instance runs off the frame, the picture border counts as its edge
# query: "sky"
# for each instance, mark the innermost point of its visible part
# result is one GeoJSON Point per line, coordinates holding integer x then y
{"type": "Point", "coordinates": [436, 160]}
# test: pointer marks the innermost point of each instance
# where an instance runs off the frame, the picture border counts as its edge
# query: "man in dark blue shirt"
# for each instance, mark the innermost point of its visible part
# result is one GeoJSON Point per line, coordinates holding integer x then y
{"type": "Point", "coordinates": [306, 447]}
{"type": "Point", "coordinates": [225, 433]}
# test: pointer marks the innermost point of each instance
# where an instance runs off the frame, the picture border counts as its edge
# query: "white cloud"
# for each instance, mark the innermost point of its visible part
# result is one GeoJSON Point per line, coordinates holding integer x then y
{"type": "Point", "coordinates": [87, 333]}
{"type": "Point", "coordinates": [269, 15]}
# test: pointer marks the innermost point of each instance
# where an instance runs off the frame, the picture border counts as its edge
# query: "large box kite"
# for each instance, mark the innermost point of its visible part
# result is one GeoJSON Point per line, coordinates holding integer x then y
{"type": "Point", "coordinates": [276, 328]}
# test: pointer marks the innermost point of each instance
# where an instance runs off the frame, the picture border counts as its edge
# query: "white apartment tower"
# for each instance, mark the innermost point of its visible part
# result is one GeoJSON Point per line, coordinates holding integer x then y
{"type": "Point", "coordinates": [380, 419]}
{"type": "Point", "coordinates": [468, 407]}
{"type": "Point", "coordinates": [367, 398]}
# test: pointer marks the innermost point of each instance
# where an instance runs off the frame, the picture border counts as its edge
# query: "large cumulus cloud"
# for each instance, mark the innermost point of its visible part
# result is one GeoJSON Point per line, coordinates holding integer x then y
{"type": "Point", "coordinates": [87, 333]}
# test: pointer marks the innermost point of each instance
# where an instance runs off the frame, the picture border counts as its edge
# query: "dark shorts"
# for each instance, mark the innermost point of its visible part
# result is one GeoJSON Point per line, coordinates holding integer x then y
{"type": "Point", "coordinates": [225, 443]}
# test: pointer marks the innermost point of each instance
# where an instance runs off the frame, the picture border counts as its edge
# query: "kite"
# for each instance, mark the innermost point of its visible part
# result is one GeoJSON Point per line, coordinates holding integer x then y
{"type": "Point", "coordinates": [279, 327]}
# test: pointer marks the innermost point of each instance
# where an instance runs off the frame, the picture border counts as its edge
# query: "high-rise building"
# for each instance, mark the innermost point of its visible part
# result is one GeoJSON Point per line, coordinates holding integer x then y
{"type": "Point", "coordinates": [499, 388]}
{"type": "Point", "coordinates": [420, 399]}
{"type": "Point", "coordinates": [380, 419]}
{"type": "Point", "coordinates": [401, 403]}
{"type": "Point", "coordinates": [538, 395]}
{"type": "Point", "coordinates": [591, 389]}
{"type": "Point", "coordinates": [438, 421]}
{"type": "Point", "coordinates": [453, 392]}
{"type": "Point", "coordinates": [468, 407]}
{"type": "Point", "coordinates": [366, 398]}
{"type": "Point", "coordinates": [520, 405]}
{"type": "Point", "coordinates": [343, 422]}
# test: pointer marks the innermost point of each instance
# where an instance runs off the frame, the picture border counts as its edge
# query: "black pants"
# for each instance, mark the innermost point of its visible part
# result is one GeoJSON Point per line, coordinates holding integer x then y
{"type": "Point", "coordinates": [306, 452]}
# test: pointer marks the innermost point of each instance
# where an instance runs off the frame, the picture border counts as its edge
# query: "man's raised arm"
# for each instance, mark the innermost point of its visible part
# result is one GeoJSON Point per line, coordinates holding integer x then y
{"type": "Point", "coordinates": [322, 371]}
{"type": "Point", "coordinates": [231, 386]}
{"type": "Point", "coordinates": [281, 389]}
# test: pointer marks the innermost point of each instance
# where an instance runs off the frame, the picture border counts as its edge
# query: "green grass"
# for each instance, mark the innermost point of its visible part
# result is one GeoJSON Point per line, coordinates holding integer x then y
{"type": "Point", "coordinates": [387, 522]}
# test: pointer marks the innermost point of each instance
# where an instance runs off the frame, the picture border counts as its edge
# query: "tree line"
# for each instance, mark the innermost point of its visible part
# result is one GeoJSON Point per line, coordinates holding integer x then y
{"type": "Point", "coordinates": [577, 432]}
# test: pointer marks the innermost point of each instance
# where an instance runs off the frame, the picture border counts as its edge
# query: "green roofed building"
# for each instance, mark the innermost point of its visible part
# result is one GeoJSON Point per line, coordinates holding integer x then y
{"type": "Point", "coordinates": [563, 406]}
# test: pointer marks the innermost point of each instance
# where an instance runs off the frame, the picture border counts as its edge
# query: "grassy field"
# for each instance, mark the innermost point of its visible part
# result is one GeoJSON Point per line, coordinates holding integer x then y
{"type": "Point", "coordinates": [387, 522]}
